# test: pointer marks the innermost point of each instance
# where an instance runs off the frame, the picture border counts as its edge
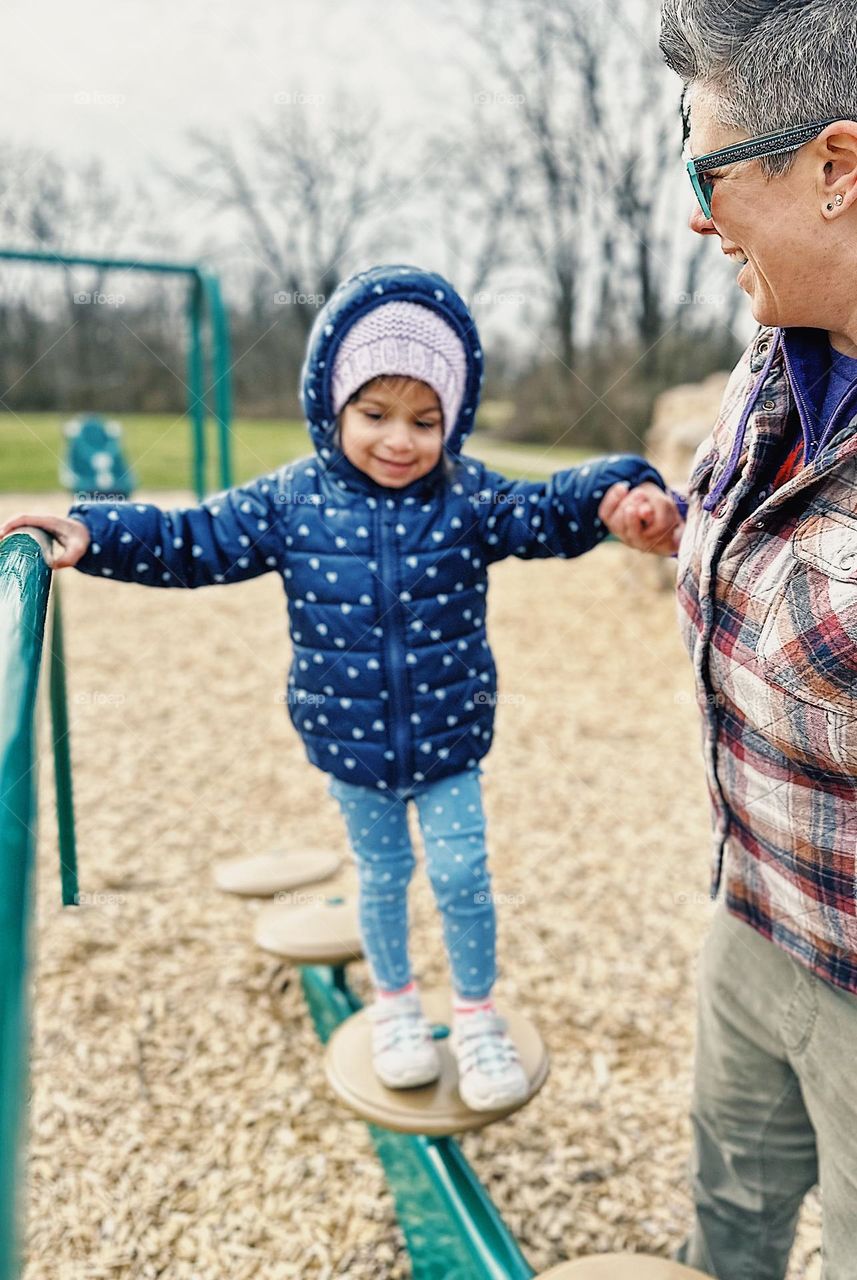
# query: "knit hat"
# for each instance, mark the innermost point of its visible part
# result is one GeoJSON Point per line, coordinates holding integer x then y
{"type": "Point", "coordinates": [402, 339]}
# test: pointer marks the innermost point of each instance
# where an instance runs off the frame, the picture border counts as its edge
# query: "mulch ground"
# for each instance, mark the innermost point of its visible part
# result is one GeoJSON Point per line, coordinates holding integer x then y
{"type": "Point", "coordinates": [180, 1123]}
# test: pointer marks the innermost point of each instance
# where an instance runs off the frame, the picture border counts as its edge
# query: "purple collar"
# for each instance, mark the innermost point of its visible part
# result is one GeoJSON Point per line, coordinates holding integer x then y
{"type": "Point", "coordinates": [725, 480]}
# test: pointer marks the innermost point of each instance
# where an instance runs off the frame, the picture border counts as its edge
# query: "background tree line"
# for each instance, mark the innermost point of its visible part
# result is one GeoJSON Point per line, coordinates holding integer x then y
{"type": "Point", "coordinates": [558, 209]}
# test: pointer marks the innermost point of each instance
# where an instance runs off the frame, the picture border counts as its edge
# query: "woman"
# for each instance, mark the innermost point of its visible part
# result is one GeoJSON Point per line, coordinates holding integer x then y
{"type": "Point", "coordinates": [767, 588]}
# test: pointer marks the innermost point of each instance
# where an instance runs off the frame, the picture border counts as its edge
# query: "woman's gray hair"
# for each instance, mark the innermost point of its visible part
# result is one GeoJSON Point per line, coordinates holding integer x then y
{"type": "Point", "coordinates": [765, 65]}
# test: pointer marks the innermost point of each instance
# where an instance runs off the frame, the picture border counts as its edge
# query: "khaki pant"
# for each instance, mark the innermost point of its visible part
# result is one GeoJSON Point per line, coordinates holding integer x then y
{"type": "Point", "coordinates": [774, 1109]}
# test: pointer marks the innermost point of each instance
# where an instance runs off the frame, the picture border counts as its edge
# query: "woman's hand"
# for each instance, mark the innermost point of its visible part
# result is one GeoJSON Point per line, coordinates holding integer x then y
{"type": "Point", "coordinates": [644, 518]}
{"type": "Point", "coordinates": [72, 535]}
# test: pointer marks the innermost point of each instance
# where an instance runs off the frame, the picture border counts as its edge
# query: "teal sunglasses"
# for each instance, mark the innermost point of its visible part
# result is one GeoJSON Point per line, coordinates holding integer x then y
{"type": "Point", "coordinates": [770, 144]}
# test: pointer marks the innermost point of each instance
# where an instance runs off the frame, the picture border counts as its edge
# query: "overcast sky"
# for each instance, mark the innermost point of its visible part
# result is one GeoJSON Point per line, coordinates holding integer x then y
{"type": "Point", "coordinates": [124, 81]}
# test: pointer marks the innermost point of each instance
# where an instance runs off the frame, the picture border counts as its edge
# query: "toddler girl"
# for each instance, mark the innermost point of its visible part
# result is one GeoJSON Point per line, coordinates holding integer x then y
{"type": "Point", "coordinates": [383, 540]}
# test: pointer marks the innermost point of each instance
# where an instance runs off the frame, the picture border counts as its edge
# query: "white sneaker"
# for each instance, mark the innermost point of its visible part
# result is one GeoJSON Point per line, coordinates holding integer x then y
{"type": "Point", "coordinates": [490, 1073]}
{"type": "Point", "coordinates": [403, 1051]}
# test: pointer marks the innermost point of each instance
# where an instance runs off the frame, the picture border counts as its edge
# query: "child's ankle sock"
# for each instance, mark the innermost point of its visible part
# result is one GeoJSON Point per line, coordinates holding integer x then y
{"type": "Point", "coordinates": [407, 990]}
{"type": "Point", "coordinates": [463, 1005]}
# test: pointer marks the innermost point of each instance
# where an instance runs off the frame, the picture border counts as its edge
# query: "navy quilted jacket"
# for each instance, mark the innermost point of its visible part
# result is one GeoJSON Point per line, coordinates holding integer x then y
{"type": "Point", "coordinates": [392, 680]}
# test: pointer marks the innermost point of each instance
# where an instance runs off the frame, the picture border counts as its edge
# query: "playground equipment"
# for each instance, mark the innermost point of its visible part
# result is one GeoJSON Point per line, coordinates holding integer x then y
{"type": "Point", "coordinates": [621, 1266]}
{"type": "Point", "coordinates": [94, 461]}
{"type": "Point", "coordinates": [329, 932]}
{"type": "Point", "coordinates": [264, 874]}
{"type": "Point", "coordinates": [453, 1230]}
{"type": "Point", "coordinates": [435, 1110]}
{"type": "Point", "coordinates": [205, 304]}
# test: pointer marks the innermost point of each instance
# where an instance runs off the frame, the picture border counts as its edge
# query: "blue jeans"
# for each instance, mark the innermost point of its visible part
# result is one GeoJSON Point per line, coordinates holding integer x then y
{"type": "Point", "coordinates": [453, 828]}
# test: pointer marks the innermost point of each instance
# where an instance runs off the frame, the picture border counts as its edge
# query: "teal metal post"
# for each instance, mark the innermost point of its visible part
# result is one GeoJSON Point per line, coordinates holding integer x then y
{"type": "Point", "coordinates": [62, 758]}
{"type": "Point", "coordinates": [221, 370]}
{"type": "Point", "coordinates": [24, 588]}
{"type": "Point", "coordinates": [196, 385]}
{"type": "Point", "coordinates": [453, 1230]}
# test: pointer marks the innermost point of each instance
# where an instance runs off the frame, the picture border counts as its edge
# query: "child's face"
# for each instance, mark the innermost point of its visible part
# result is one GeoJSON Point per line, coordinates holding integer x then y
{"type": "Point", "coordinates": [393, 430]}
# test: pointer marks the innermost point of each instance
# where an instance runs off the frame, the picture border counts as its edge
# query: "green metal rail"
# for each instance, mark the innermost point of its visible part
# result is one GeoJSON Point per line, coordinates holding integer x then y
{"type": "Point", "coordinates": [205, 301]}
{"type": "Point", "coordinates": [25, 587]}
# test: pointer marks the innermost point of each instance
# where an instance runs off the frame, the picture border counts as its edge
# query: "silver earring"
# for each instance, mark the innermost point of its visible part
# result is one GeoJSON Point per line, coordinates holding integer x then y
{"type": "Point", "coordinates": [840, 199]}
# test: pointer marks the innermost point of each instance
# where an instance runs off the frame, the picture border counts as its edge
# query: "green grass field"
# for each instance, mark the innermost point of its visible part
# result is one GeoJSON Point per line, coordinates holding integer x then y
{"type": "Point", "coordinates": [158, 446]}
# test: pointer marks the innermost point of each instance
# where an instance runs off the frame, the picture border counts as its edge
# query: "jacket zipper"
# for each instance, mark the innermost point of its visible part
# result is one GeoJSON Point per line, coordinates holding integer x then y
{"type": "Point", "coordinates": [810, 440]}
{"type": "Point", "coordinates": [393, 649]}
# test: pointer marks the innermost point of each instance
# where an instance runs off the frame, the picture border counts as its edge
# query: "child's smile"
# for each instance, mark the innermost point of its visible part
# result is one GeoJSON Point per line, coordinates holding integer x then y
{"type": "Point", "coordinates": [392, 430]}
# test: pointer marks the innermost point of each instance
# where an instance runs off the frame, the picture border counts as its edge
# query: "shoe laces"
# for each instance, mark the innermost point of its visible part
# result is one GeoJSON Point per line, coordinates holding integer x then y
{"type": "Point", "coordinates": [485, 1043]}
{"type": "Point", "coordinates": [403, 1025]}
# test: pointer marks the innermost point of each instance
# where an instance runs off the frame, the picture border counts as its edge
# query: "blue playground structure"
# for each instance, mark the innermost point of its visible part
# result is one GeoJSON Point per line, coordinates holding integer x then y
{"type": "Point", "coordinates": [94, 462]}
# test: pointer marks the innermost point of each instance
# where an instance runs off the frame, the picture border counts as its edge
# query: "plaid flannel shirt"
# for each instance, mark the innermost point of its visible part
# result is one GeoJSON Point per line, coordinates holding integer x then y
{"type": "Point", "coordinates": [767, 592]}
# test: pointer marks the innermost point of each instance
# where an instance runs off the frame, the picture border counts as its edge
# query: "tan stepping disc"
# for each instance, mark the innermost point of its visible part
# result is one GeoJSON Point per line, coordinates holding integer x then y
{"type": "Point", "coordinates": [621, 1266]}
{"type": "Point", "coordinates": [264, 874]}
{"type": "Point", "coordinates": [317, 933]}
{"type": "Point", "coordinates": [434, 1109]}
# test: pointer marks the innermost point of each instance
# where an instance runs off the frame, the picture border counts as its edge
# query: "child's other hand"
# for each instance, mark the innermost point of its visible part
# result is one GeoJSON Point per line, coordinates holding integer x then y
{"type": "Point", "coordinates": [644, 518]}
{"type": "Point", "coordinates": [72, 535]}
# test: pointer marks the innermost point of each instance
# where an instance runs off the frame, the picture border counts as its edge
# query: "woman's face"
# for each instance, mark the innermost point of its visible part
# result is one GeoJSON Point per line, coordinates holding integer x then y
{"type": "Point", "coordinates": [773, 229]}
{"type": "Point", "coordinates": [393, 430]}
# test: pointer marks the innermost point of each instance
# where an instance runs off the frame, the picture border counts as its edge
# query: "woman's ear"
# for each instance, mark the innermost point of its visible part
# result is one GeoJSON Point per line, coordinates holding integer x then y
{"type": "Point", "coordinates": [837, 187]}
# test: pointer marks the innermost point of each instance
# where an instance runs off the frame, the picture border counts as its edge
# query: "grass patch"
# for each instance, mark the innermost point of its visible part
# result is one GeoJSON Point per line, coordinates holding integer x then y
{"type": "Point", "coordinates": [158, 446]}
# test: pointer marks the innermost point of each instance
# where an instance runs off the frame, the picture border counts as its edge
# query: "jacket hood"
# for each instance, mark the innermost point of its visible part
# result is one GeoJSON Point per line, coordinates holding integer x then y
{"type": "Point", "coordinates": [355, 297]}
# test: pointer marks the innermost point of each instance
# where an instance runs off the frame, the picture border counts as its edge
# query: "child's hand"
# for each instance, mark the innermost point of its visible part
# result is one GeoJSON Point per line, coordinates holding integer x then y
{"type": "Point", "coordinates": [72, 535]}
{"type": "Point", "coordinates": [644, 518]}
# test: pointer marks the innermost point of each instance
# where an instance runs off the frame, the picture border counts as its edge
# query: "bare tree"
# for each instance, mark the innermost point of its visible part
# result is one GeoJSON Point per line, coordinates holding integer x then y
{"type": "Point", "coordinates": [307, 194]}
{"type": "Point", "coordinates": [68, 209]}
{"type": "Point", "coordinates": [473, 188]}
{"type": "Point", "coordinates": [73, 209]}
{"type": "Point", "coordinates": [633, 154]}
{"type": "Point", "coordinates": [541, 90]}
{"type": "Point", "coordinates": [586, 118]}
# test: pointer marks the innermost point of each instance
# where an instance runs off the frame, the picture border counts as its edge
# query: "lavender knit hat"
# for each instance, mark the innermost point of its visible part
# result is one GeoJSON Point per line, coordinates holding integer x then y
{"type": "Point", "coordinates": [402, 339]}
